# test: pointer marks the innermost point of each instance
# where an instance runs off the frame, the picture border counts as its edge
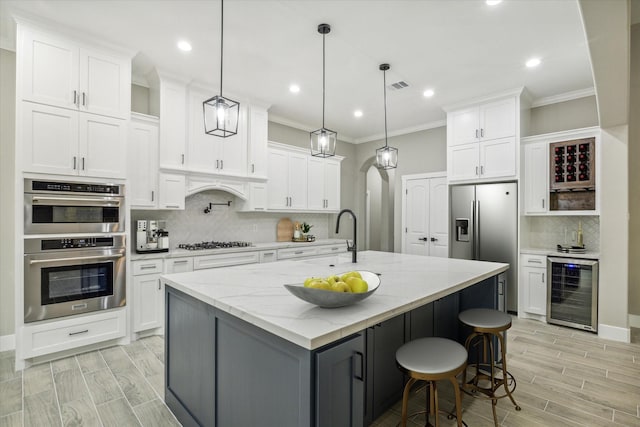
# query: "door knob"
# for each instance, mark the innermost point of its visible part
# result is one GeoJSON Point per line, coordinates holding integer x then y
{"type": "Point", "coordinates": [433, 239]}
{"type": "Point", "coordinates": [424, 239]}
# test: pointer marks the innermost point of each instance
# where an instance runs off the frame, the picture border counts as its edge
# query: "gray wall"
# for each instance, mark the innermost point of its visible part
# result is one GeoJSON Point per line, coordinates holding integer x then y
{"type": "Point", "coordinates": [634, 176]}
{"type": "Point", "coordinates": [7, 194]}
{"type": "Point", "coordinates": [574, 114]}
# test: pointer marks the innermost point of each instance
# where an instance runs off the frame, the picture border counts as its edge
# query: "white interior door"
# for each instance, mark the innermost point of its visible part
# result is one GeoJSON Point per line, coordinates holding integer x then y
{"type": "Point", "coordinates": [417, 220]}
{"type": "Point", "coordinates": [438, 217]}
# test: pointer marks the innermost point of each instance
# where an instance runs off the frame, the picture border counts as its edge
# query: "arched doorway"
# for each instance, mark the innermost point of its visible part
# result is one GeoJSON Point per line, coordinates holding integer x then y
{"type": "Point", "coordinates": [378, 207]}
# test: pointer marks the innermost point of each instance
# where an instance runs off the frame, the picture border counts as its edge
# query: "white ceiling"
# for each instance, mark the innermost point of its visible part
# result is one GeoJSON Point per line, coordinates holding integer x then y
{"type": "Point", "coordinates": [463, 49]}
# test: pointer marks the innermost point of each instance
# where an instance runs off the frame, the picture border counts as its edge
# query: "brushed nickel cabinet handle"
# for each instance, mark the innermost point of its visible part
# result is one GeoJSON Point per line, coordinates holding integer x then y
{"type": "Point", "coordinates": [75, 97]}
{"type": "Point", "coordinates": [182, 159]}
{"type": "Point", "coordinates": [78, 333]}
{"type": "Point", "coordinates": [74, 162]}
{"type": "Point", "coordinates": [84, 99]}
{"type": "Point", "coordinates": [152, 195]}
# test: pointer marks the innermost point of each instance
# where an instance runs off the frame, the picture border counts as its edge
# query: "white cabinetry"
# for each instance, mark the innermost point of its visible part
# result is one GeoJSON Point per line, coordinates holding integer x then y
{"type": "Point", "coordinates": [536, 178]}
{"type": "Point", "coordinates": [148, 295]}
{"type": "Point", "coordinates": [533, 284]}
{"type": "Point", "coordinates": [173, 191]}
{"type": "Point", "coordinates": [315, 251]}
{"type": "Point", "coordinates": [225, 260]}
{"type": "Point", "coordinates": [61, 141]}
{"type": "Point", "coordinates": [323, 184]}
{"type": "Point", "coordinates": [287, 188]}
{"type": "Point", "coordinates": [178, 265]}
{"type": "Point", "coordinates": [169, 97]}
{"type": "Point", "coordinates": [212, 154]}
{"type": "Point", "coordinates": [482, 141]}
{"type": "Point", "coordinates": [258, 137]}
{"type": "Point", "coordinates": [143, 162]}
{"type": "Point", "coordinates": [58, 71]}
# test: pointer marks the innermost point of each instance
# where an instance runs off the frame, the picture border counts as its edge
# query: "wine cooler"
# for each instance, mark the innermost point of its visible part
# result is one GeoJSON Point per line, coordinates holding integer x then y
{"type": "Point", "coordinates": [572, 293]}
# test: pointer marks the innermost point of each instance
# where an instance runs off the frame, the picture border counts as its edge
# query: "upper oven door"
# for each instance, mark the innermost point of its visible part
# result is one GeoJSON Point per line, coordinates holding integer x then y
{"type": "Point", "coordinates": [61, 214]}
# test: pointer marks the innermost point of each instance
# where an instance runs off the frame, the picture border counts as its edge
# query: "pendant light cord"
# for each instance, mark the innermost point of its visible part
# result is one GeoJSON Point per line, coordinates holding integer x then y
{"type": "Point", "coordinates": [384, 80]}
{"type": "Point", "coordinates": [323, 78]}
{"type": "Point", "coordinates": [221, 41]}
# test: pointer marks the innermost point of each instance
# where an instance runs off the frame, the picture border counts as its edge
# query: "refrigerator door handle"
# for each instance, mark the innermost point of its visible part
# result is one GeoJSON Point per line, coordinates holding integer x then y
{"type": "Point", "coordinates": [473, 230]}
{"type": "Point", "coordinates": [476, 231]}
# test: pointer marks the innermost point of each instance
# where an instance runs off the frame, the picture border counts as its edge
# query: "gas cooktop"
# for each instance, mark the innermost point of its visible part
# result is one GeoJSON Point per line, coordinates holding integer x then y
{"type": "Point", "coordinates": [213, 245]}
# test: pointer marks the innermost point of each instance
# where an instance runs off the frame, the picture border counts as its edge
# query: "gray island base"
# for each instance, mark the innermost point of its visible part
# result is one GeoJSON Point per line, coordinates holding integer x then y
{"type": "Point", "coordinates": [242, 351]}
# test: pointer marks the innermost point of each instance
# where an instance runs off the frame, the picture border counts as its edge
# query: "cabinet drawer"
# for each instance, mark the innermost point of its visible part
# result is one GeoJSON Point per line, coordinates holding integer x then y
{"type": "Point", "coordinates": [534, 261]}
{"type": "Point", "coordinates": [74, 332]}
{"type": "Point", "coordinates": [268, 256]}
{"type": "Point", "coordinates": [333, 249]}
{"type": "Point", "coordinates": [151, 266]}
{"type": "Point", "coordinates": [178, 265]}
{"type": "Point", "coordinates": [290, 253]}
{"type": "Point", "coordinates": [225, 260]}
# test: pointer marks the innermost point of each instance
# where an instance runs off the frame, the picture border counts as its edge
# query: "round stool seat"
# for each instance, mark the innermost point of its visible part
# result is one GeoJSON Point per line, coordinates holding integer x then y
{"type": "Point", "coordinates": [431, 356]}
{"type": "Point", "coordinates": [485, 318]}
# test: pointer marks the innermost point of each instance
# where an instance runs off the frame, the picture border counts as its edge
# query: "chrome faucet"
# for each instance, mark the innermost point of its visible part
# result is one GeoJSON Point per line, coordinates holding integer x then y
{"type": "Point", "coordinates": [351, 244]}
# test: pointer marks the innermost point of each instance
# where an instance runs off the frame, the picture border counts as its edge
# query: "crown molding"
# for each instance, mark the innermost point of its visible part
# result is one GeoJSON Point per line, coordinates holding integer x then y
{"type": "Point", "coordinates": [562, 97]}
{"type": "Point", "coordinates": [404, 131]}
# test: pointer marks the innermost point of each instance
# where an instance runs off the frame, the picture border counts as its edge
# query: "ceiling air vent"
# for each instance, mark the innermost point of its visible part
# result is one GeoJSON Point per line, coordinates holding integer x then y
{"type": "Point", "coordinates": [398, 85]}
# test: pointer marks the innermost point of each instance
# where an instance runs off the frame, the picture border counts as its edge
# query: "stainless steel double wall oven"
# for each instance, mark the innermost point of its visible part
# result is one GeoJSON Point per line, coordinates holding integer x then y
{"type": "Point", "coordinates": [74, 262]}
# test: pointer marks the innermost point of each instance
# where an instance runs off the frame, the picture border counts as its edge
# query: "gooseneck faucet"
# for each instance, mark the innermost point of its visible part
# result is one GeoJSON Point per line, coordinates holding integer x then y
{"type": "Point", "coordinates": [351, 245]}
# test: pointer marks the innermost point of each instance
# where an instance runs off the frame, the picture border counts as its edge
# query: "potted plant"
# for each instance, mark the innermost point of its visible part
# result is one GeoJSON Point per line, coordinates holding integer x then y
{"type": "Point", "coordinates": [305, 229]}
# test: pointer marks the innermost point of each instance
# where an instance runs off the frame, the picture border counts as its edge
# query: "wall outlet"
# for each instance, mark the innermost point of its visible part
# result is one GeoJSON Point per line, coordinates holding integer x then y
{"type": "Point", "coordinates": [574, 236]}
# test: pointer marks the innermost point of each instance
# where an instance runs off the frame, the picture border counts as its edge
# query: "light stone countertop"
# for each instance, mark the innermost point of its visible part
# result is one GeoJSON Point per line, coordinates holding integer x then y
{"type": "Point", "coordinates": [555, 253]}
{"type": "Point", "coordinates": [177, 253]}
{"type": "Point", "coordinates": [255, 292]}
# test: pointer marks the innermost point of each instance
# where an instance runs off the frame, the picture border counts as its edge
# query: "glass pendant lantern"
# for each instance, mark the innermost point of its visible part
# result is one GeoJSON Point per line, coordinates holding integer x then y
{"type": "Point", "coordinates": [323, 140]}
{"type": "Point", "coordinates": [386, 157]}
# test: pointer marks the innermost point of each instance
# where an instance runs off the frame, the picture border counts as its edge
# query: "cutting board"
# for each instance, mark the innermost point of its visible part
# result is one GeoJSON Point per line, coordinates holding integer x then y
{"type": "Point", "coordinates": [284, 231]}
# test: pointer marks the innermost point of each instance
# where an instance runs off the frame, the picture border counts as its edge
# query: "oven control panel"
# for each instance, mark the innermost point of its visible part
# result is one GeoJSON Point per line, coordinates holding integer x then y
{"type": "Point", "coordinates": [76, 243]}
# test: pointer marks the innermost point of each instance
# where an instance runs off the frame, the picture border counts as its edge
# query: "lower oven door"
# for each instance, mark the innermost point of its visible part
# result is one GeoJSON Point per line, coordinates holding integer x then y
{"type": "Point", "coordinates": [67, 282]}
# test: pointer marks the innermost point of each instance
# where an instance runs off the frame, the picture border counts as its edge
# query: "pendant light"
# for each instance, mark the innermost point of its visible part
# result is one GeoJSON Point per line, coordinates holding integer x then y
{"type": "Point", "coordinates": [323, 140]}
{"type": "Point", "coordinates": [221, 114]}
{"type": "Point", "coordinates": [386, 157]}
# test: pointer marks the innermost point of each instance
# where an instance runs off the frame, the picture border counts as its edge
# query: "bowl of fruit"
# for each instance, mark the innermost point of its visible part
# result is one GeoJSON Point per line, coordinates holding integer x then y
{"type": "Point", "coordinates": [336, 290]}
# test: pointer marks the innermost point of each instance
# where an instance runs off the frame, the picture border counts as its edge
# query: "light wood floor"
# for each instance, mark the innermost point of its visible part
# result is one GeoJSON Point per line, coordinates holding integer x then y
{"type": "Point", "coordinates": [564, 377]}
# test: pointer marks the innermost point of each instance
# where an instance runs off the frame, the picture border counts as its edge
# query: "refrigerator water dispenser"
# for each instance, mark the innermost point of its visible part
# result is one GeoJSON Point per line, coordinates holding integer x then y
{"type": "Point", "coordinates": [462, 229]}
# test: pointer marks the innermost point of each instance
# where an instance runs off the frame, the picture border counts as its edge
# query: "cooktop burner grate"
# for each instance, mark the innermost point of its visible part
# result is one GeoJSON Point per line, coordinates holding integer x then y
{"type": "Point", "coordinates": [213, 245]}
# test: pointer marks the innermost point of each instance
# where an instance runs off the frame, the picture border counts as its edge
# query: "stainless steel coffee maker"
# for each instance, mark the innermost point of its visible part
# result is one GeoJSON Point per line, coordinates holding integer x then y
{"type": "Point", "coordinates": [151, 236]}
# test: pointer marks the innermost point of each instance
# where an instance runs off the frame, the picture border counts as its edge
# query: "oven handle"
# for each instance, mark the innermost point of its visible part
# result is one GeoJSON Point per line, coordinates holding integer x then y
{"type": "Point", "coordinates": [82, 258]}
{"type": "Point", "coordinates": [74, 201]}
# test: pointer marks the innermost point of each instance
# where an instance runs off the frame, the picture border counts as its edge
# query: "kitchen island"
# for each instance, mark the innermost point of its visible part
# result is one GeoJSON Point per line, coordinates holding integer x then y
{"type": "Point", "coordinates": [241, 350]}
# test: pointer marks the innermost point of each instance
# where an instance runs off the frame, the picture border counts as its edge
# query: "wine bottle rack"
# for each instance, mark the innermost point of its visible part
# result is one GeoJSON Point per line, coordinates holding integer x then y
{"type": "Point", "coordinates": [572, 165]}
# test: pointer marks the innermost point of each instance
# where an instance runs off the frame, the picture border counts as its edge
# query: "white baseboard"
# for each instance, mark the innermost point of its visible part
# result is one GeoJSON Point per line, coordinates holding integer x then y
{"type": "Point", "coordinates": [7, 342]}
{"type": "Point", "coordinates": [634, 321]}
{"type": "Point", "coordinates": [614, 333]}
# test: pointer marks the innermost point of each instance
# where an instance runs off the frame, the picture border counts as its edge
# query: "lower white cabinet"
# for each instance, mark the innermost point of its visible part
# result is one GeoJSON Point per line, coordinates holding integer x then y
{"type": "Point", "coordinates": [178, 265]}
{"type": "Point", "coordinates": [148, 295]}
{"type": "Point", "coordinates": [268, 256]}
{"type": "Point", "coordinates": [72, 332]}
{"type": "Point", "coordinates": [225, 260]}
{"type": "Point", "coordinates": [533, 280]}
{"type": "Point", "coordinates": [311, 251]}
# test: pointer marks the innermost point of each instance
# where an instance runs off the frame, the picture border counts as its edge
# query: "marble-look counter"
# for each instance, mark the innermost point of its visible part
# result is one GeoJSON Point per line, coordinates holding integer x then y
{"type": "Point", "coordinates": [177, 253]}
{"type": "Point", "coordinates": [255, 293]}
{"type": "Point", "coordinates": [555, 253]}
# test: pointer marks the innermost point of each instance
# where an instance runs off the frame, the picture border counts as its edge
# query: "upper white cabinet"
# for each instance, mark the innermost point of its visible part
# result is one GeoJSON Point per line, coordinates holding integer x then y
{"type": "Point", "coordinates": [173, 191]}
{"type": "Point", "coordinates": [482, 140]}
{"type": "Point", "coordinates": [287, 187]}
{"type": "Point", "coordinates": [212, 154]}
{"type": "Point", "coordinates": [143, 162]}
{"type": "Point", "coordinates": [536, 181]}
{"type": "Point", "coordinates": [323, 191]}
{"type": "Point", "coordinates": [258, 137]}
{"type": "Point", "coordinates": [168, 98]}
{"type": "Point", "coordinates": [60, 72]}
{"type": "Point", "coordinates": [61, 141]}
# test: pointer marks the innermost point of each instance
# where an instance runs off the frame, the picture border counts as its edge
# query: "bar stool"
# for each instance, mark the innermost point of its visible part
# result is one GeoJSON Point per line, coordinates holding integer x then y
{"type": "Point", "coordinates": [431, 360]}
{"type": "Point", "coordinates": [489, 376]}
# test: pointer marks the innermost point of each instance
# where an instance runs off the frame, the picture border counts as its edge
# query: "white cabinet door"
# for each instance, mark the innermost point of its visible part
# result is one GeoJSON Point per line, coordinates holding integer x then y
{"type": "Point", "coordinates": [172, 191]}
{"type": "Point", "coordinates": [173, 116]}
{"type": "Point", "coordinates": [102, 149]}
{"type": "Point", "coordinates": [316, 183]}
{"type": "Point", "coordinates": [535, 285]}
{"type": "Point", "coordinates": [498, 158]}
{"type": "Point", "coordinates": [438, 217]}
{"type": "Point", "coordinates": [49, 69]}
{"type": "Point", "coordinates": [148, 300]}
{"type": "Point", "coordinates": [278, 184]}
{"type": "Point", "coordinates": [178, 265]}
{"type": "Point", "coordinates": [416, 216]}
{"type": "Point", "coordinates": [143, 164]}
{"type": "Point", "coordinates": [536, 176]}
{"type": "Point", "coordinates": [257, 144]}
{"type": "Point", "coordinates": [463, 162]}
{"type": "Point", "coordinates": [49, 139]}
{"type": "Point", "coordinates": [332, 185]}
{"type": "Point", "coordinates": [233, 151]}
{"type": "Point", "coordinates": [297, 181]}
{"type": "Point", "coordinates": [464, 126]}
{"type": "Point", "coordinates": [105, 84]}
{"type": "Point", "coordinates": [498, 119]}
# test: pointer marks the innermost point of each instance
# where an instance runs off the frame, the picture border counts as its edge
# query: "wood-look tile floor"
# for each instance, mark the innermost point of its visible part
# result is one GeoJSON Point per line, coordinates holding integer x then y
{"type": "Point", "coordinates": [565, 377]}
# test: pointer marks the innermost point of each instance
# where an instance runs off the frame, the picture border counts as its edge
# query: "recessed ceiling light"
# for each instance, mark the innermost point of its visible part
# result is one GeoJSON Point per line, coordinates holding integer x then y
{"type": "Point", "coordinates": [493, 2]}
{"type": "Point", "coordinates": [184, 46]}
{"type": "Point", "coordinates": [357, 113]}
{"type": "Point", "coordinates": [294, 88]}
{"type": "Point", "coordinates": [533, 62]}
{"type": "Point", "coordinates": [428, 93]}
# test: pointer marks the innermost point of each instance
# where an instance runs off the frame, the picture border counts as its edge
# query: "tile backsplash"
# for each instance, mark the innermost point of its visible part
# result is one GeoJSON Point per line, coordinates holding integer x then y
{"type": "Point", "coordinates": [225, 223]}
{"type": "Point", "coordinates": [549, 231]}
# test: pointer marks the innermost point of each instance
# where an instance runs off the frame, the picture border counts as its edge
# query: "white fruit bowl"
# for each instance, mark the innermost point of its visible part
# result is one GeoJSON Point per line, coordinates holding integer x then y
{"type": "Point", "coordinates": [330, 299]}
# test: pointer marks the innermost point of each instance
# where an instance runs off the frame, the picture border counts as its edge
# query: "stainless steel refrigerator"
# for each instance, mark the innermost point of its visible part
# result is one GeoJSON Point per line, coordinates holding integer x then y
{"type": "Point", "coordinates": [484, 227]}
